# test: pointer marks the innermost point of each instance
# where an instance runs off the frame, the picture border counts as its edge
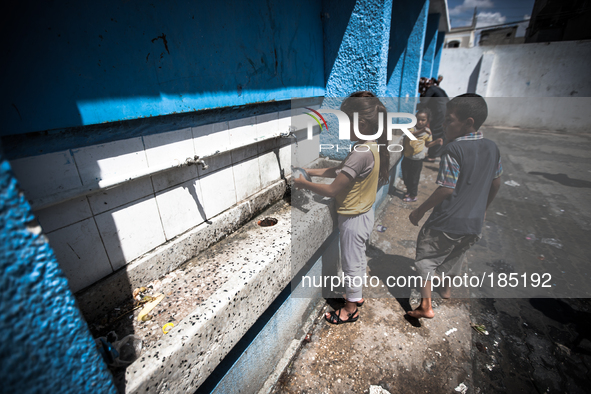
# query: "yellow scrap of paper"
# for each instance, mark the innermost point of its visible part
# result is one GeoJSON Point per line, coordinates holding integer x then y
{"type": "Point", "coordinates": [149, 306]}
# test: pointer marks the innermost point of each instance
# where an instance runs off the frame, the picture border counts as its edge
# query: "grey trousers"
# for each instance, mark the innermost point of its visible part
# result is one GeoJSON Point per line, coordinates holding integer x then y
{"type": "Point", "coordinates": [354, 232]}
{"type": "Point", "coordinates": [439, 252]}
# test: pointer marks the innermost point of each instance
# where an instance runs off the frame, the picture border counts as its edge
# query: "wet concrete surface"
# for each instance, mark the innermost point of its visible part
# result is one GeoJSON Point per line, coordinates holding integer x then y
{"type": "Point", "coordinates": [539, 338]}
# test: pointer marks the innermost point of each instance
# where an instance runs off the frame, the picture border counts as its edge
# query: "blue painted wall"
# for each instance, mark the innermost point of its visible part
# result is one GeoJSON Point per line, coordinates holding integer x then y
{"type": "Point", "coordinates": [79, 63]}
{"type": "Point", "coordinates": [356, 39]}
{"type": "Point", "coordinates": [430, 45]}
{"type": "Point", "coordinates": [362, 56]}
{"type": "Point", "coordinates": [438, 50]}
{"type": "Point", "coordinates": [46, 345]}
{"type": "Point", "coordinates": [407, 38]}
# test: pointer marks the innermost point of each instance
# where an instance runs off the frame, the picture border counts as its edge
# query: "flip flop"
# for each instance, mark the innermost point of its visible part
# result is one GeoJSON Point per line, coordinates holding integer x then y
{"type": "Point", "coordinates": [336, 318]}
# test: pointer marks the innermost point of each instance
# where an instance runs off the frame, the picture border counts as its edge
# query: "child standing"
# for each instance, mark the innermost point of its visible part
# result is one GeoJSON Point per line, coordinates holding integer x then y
{"type": "Point", "coordinates": [468, 179]}
{"type": "Point", "coordinates": [415, 152]}
{"type": "Point", "coordinates": [354, 189]}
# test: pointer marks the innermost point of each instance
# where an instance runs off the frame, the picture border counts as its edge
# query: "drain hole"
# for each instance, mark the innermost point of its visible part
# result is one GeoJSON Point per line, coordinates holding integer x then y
{"type": "Point", "coordinates": [267, 222]}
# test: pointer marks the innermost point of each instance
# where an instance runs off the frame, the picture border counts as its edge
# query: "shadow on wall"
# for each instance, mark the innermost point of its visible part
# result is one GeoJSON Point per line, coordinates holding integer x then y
{"type": "Point", "coordinates": [405, 47]}
{"type": "Point", "coordinates": [80, 64]}
{"type": "Point", "coordinates": [336, 17]}
{"type": "Point", "coordinates": [473, 80]}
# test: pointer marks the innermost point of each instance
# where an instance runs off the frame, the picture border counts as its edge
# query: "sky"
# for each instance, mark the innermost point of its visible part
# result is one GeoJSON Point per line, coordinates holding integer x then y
{"type": "Point", "coordinates": [490, 12]}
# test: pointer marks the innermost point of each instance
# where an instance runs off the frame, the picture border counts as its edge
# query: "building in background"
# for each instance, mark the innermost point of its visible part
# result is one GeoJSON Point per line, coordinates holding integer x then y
{"type": "Point", "coordinates": [500, 36]}
{"type": "Point", "coordinates": [462, 37]}
{"type": "Point", "coordinates": [559, 20]}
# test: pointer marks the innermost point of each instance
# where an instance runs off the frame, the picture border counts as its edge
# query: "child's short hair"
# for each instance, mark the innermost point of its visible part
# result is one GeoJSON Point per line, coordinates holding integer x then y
{"type": "Point", "coordinates": [425, 111]}
{"type": "Point", "coordinates": [469, 105]}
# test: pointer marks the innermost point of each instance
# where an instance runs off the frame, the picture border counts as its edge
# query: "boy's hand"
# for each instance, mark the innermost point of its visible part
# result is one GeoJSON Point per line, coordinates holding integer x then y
{"type": "Point", "coordinates": [439, 141]}
{"type": "Point", "coordinates": [416, 216]}
{"type": "Point", "coordinates": [298, 183]}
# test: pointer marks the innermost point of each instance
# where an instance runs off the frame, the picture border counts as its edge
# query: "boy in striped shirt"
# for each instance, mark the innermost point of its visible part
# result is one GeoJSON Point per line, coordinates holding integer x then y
{"type": "Point", "coordinates": [468, 179]}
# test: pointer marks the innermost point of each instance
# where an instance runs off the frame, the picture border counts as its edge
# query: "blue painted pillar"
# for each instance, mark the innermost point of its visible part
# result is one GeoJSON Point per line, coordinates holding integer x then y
{"type": "Point", "coordinates": [356, 58]}
{"type": "Point", "coordinates": [356, 35]}
{"type": "Point", "coordinates": [430, 44]}
{"type": "Point", "coordinates": [46, 346]}
{"type": "Point", "coordinates": [438, 50]}
{"type": "Point", "coordinates": [407, 38]}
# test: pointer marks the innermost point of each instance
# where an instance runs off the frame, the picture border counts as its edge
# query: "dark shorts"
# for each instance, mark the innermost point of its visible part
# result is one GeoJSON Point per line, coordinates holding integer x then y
{"type": "Point", "coordinates": [442, 253]}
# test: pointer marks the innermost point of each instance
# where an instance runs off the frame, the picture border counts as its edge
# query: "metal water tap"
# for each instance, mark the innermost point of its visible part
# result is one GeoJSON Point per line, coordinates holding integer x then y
{"type": "Point", "coordinates": [290, 133]}
{"type": "Point", "coordinates": [196, 160]}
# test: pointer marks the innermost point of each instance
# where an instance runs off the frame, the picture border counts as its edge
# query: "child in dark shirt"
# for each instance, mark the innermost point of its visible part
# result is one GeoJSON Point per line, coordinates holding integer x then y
{"type": "Point", "coordinates": [468, 179]}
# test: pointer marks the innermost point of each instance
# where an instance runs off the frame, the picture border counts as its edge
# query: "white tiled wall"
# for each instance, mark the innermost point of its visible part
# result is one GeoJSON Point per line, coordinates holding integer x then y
{"type": "Point", "coordinates": [80, 252]}
{"type": "Point", "coordinates": [181, 208]}
{"type": "Point", "coordinates": [93, 236]}
{"type": "Point", "coordinates": [46, 174]}
{"type": "Point", "coordinates": [131, 230]}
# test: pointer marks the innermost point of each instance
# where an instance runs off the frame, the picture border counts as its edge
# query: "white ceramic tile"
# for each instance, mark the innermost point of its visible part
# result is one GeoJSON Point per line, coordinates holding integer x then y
{"type": "Point", "coordinates": [170, 148]}
{"type": "Point", "coordinates": [44, 175]}
{"type": "Point", "coordinates": [80, 253]}
{"type": "Point", "coordinates": [241, 154]}
{"type": "Point", "coordinates": [64, 214]}
{"type": "Point", "coordinates": [284, 121]}
{"type": "Point", "coordinates": [114, 160]}
{"type": "Point", "coordinates": [285, 155]}
{"type": "Point", "coordinates": [216, 163]}
{"type": "Point", "coordinates": [130, 231]}
{"type": "Point", "coordinates": [267, 124]}
{"type": "Point", "coordinates": [173, 147]}
{"type": "Point", "coordinates": [181, 208]}
{"type": "Point", "coordinates": [246, 178]}
{"type": "Point", "coordinates": [211, 138]}
{"type": "Point", "coordinates": [300, 122]}
{"type": "Point", "coordinates": [243, 131]}
{"type": "Point", "coordinates": [125, 193]}
{"type": "Point", "coordinates": [269, 145]}
{"type": "Point", "coordinates": [269, 168]}
{"type": "Point", "coordinates": [218, 191]}
{"type": "Point", "coordinates": [307, 150]}
{"type": "Point", "coordinates": [168, 179]}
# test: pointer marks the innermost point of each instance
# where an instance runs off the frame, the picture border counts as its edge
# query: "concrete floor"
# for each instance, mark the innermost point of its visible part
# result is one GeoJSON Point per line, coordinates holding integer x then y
{"type": "Point", "coordinates": [539, 338]}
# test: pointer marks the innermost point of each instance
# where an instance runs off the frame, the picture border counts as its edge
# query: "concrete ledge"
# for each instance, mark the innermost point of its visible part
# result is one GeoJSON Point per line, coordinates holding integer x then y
{"type": "Point", "coordinates": [109, 292]}
{"type": "Point", "coordinates": [254, 266]}
{"type": "Point", "coordinates": [182, 360]}
{"type": "Point", "coordinates": [260, 263]}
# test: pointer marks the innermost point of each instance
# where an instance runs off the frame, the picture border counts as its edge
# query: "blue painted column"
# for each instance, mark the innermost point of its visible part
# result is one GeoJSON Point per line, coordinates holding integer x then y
{"type": "Point", "coordinates": [356, 35]}
{"type": "Point", "coordinates": [438, 50]}
{"type": "Point", "coordinates": [407, 38]}
{"type": "Point", "coordinates": [430, 45]}
{"type": "Point", "coordinates": [46, 346]}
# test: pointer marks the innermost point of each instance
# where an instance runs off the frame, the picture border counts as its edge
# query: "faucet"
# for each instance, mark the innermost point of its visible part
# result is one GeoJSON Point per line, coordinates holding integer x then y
{"type": "Point", "coordinates": [196, 160]}
{"type": "Point", "coordinates": [289, 133]}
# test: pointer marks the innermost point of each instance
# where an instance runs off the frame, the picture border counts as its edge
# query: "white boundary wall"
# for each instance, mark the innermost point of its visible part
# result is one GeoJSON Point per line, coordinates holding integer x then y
{"type": "Point", "coordinates": [544, 85]}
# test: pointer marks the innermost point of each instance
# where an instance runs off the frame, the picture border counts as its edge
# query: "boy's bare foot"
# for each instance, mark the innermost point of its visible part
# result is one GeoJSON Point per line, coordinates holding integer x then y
{"type": "Point", "coordinates": [422, 313]}
{"type": "Point", "coordinates": [445, 292]}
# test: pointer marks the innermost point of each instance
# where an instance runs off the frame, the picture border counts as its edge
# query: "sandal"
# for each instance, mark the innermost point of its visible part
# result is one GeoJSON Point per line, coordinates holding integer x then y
{"type": "Point", "coordinates": [336, 318]}
{"type": "Point", "coordinates": [410, 199]}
